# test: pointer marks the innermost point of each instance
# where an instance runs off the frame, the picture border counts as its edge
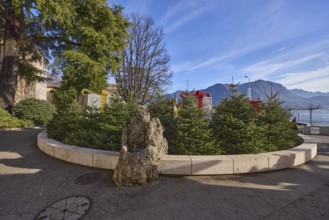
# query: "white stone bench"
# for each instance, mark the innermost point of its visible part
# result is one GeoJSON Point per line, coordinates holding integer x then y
{"type": "Point", "coordinates": [183, 164]}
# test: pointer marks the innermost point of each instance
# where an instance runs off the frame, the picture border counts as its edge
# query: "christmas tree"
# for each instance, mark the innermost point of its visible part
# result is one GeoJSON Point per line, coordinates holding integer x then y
{"type": "Point", "coordinates": [278, 130]}
{"type": "Point", "coordinates": [234, 124]}
{"type": "Point", "coordinates": [193, 132]}
{"type": "Point", "coordinates": [162, 108]}
{"type": "Point", "coordinates": [114, 118]}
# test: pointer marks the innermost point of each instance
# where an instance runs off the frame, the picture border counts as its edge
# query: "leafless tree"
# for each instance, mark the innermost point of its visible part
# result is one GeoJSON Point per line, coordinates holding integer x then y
{"type": "Point", "coordinates": [145, 69]}
{"type": "Point", "coordinates": [310, 108]}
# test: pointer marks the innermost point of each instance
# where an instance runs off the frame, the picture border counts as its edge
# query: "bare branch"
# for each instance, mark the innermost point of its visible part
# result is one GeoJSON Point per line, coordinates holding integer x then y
{"type": "Point", "coordinates": [311, 108]}
{"type": "Point", "coordinates": [145, 69]}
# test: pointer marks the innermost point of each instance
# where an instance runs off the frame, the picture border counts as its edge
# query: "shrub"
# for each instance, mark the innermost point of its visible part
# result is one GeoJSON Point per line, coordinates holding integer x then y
{"type": "Point", "coordinates": [9, 121]}
{"type": "Point", "coordinates": [298, 141]}
{"type": "Point", "coordinates": [193, 132]}
{"type": "Point", "coordinates": [114, 119]}
{"type": "Point", "coordinates": [39, 112]}
{"type": "Point", "coordinates": [66, 123]}
{"type": "Point", "coordinates": [278, 130]}
{"type": "Point", "coordinates": [162, 108]}
{"type": "Point", "coordinates": [90, 127]}
{"type": "Point", "coordinates": [64, 98]}
{"type": "Point", "coordinates": [239, 129]}
{"type": "Point", "coordinates": [2, 103]}
{"type": "Point", "coordinates": [234, 125]}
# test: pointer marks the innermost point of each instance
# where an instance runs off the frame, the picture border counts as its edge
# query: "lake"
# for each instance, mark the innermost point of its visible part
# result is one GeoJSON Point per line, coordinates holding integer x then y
{"type": "Point", "coordinates": [319, 117]}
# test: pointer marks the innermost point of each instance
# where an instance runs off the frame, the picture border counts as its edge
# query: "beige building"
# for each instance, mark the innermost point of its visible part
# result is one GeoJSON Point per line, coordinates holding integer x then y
{"type": "Point", "coordinates": [52, 84]}
{"type": "Point", "coordinates": [37, 90]}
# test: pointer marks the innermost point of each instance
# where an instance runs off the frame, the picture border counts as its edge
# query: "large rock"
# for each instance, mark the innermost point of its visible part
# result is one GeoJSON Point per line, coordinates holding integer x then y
{"type": "Point", "coordinates": [143, 145]}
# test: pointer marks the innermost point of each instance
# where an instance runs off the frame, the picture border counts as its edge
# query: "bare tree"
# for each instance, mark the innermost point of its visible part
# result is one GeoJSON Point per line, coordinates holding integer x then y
{"type": "Point", "coordinates": [145, 69]}
{"type": "Point", "coordinates": [310, 108]}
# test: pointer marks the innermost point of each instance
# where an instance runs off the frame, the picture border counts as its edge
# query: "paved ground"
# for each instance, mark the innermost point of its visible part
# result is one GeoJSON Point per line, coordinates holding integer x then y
{"type": "Point", "coordinates": [31, 180]}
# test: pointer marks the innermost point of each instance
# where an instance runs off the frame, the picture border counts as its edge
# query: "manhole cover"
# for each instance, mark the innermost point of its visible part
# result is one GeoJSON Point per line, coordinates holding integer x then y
{"type": "Point", "coordinates": [88, 178]}
{"type": "Point", "coordinates": [71, 208]}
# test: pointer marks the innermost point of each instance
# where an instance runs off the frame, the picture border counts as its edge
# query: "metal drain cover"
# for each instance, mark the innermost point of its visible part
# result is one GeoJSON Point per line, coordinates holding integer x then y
{"type": "Point", "coordinates": [88, 178]}
{"type": "Point", "coordinates": [71, 208]}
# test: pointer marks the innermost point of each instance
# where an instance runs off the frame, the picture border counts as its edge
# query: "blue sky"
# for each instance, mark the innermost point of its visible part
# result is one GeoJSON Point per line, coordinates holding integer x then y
{"type": "Point", "coordinates": [211, 41]}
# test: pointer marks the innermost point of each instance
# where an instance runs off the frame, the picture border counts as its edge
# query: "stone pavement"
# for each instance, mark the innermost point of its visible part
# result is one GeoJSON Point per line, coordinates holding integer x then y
{"type": "Point", "coordinates": [30, 181]}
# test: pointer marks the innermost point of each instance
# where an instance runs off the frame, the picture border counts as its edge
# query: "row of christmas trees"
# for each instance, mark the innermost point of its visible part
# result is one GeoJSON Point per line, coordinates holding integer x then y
{"type": "Point", "coordinates": [236, 127]}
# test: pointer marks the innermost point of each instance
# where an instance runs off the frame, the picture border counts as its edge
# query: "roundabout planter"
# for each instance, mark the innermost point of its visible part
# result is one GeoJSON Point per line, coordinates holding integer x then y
{"type": "Point", "coordinates": [186, 165]}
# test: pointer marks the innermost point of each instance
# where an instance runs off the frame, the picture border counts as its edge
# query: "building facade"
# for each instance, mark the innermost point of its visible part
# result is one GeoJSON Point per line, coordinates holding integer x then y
{"type": "Point", "coordinates": [25, 90]}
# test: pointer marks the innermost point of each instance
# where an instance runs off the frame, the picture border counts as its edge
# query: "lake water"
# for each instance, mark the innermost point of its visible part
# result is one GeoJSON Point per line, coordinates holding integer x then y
{"type": "Point", "coordinates": [319, 117]}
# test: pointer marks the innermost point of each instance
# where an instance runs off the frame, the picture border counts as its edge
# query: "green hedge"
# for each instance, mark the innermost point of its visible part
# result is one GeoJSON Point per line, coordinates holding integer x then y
{"type": "Point", "coordinates": [9, 121]}
{"type": "Point", "coordinates": [39, 112]}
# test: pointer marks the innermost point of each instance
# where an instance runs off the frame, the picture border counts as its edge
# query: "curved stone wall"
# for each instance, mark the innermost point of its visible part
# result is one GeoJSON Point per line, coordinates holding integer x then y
{"type": "Point", "coordinates": [186, 165]}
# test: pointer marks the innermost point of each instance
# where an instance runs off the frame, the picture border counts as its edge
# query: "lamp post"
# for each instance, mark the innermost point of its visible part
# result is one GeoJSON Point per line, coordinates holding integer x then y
{"type": "Point", "coordinates": [249, 88]}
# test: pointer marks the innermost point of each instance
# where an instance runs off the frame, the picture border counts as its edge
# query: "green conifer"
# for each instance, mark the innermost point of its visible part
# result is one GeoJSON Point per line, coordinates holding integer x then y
{"type": "Point", "coordinates": [234, 125]}
{"type": "Point", "coordinates": [114, 119]}
{"type": "Point", "coordinates": [193, 132]}
{"type": "Point", "coordinates": [278, 130]}
{"type": "Point", "coordinates": [162, 108]}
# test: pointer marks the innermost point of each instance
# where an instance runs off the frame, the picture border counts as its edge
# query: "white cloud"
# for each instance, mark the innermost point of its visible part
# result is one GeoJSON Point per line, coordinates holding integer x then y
{"type": "Point", "coordinates": [185, 12]}
{"type": "Point", "coordinates": [279, 50]}
{"type": "Point", "coordinates": [185, 19]}
{"type": "Point", "coordinates": [278, 63]}
{"type": "Point", "coordinates": [272, 40]}
{"type": "Point", "coordinates": [172, 12]}
{"type": "Point", "coordinates": [266, 68]}
{"type": "Point", "coordinates": [262, 30]}
{"type": "Point", "coordinates": [313, 80]}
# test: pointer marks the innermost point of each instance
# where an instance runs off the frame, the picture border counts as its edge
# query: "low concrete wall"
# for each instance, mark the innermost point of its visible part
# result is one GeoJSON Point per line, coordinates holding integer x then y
{"type": "Point", "coordinates": [187, 165]}
{"type": "Point", "coordinates": [320, 130]}
{"type": "Point", "coordinates": [79, 155]}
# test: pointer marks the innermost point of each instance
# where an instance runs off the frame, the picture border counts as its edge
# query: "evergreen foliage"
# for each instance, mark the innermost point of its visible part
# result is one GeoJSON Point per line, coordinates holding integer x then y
{"type": "Point", "coordinates": [91, 128]}
{"type": "Point", "coordinates": [278, 130]}
{"type": "Point", "coordinates": [9, 121]}
{"type": "Point", "coordinates": [84, 38]}
{"type": "Point", "coordinates": [64, 98]}
{"type": "Point", "coordinates": [114, 119]}
{"type": "Point", "coordinates": [39, 112]}
{"type": "Point", "coordinates": [162, 108]}
{"type": "Point", "coordinates": [235, 125]}
{"type": "Point", "coordinates": [193, 132]}
{"type": "Point", "coordinates": [66, 124]}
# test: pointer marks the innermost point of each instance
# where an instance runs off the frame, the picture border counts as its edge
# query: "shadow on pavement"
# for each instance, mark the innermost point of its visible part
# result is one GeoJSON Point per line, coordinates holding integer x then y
{"type": "Point", "coordinates": [30, 180]}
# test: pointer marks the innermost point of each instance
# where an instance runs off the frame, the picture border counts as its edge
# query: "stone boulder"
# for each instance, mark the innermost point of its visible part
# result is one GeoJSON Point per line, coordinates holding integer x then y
{"type": "Point", "coordinates": [143, 145]}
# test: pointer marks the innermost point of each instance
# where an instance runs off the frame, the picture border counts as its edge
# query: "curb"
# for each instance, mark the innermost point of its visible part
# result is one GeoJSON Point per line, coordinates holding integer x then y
{"type": "Point", "coordinates": [184, 164]}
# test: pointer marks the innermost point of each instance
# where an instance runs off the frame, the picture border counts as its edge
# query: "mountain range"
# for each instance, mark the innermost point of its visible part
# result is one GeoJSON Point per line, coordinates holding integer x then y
{"type": "Point", "coordinates": [296, 98]}
{"type": "Point", "coordinates": [307, 94]}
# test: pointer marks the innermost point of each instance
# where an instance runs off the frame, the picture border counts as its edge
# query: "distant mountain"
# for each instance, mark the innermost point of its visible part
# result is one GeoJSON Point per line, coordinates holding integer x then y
{"type": "Point", "coordinates": [307, 94]}
{"type": "Point", "coordinates": [260, 89]}
{"type": "Point", "coordinates": [323, 101]}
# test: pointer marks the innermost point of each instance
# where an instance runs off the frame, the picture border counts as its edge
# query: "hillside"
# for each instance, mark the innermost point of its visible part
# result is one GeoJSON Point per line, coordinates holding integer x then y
{"type": "Point", "coordinates": [307, 94]}
{"type": "Point", "coordinates": [259, 90]}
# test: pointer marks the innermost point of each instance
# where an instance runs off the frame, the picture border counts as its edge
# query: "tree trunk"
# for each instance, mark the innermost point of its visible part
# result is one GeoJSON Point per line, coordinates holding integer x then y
{"type": "Point", "coordinates": [311, 122]}
{"type": "Point", "coordinates": [10, 61]}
